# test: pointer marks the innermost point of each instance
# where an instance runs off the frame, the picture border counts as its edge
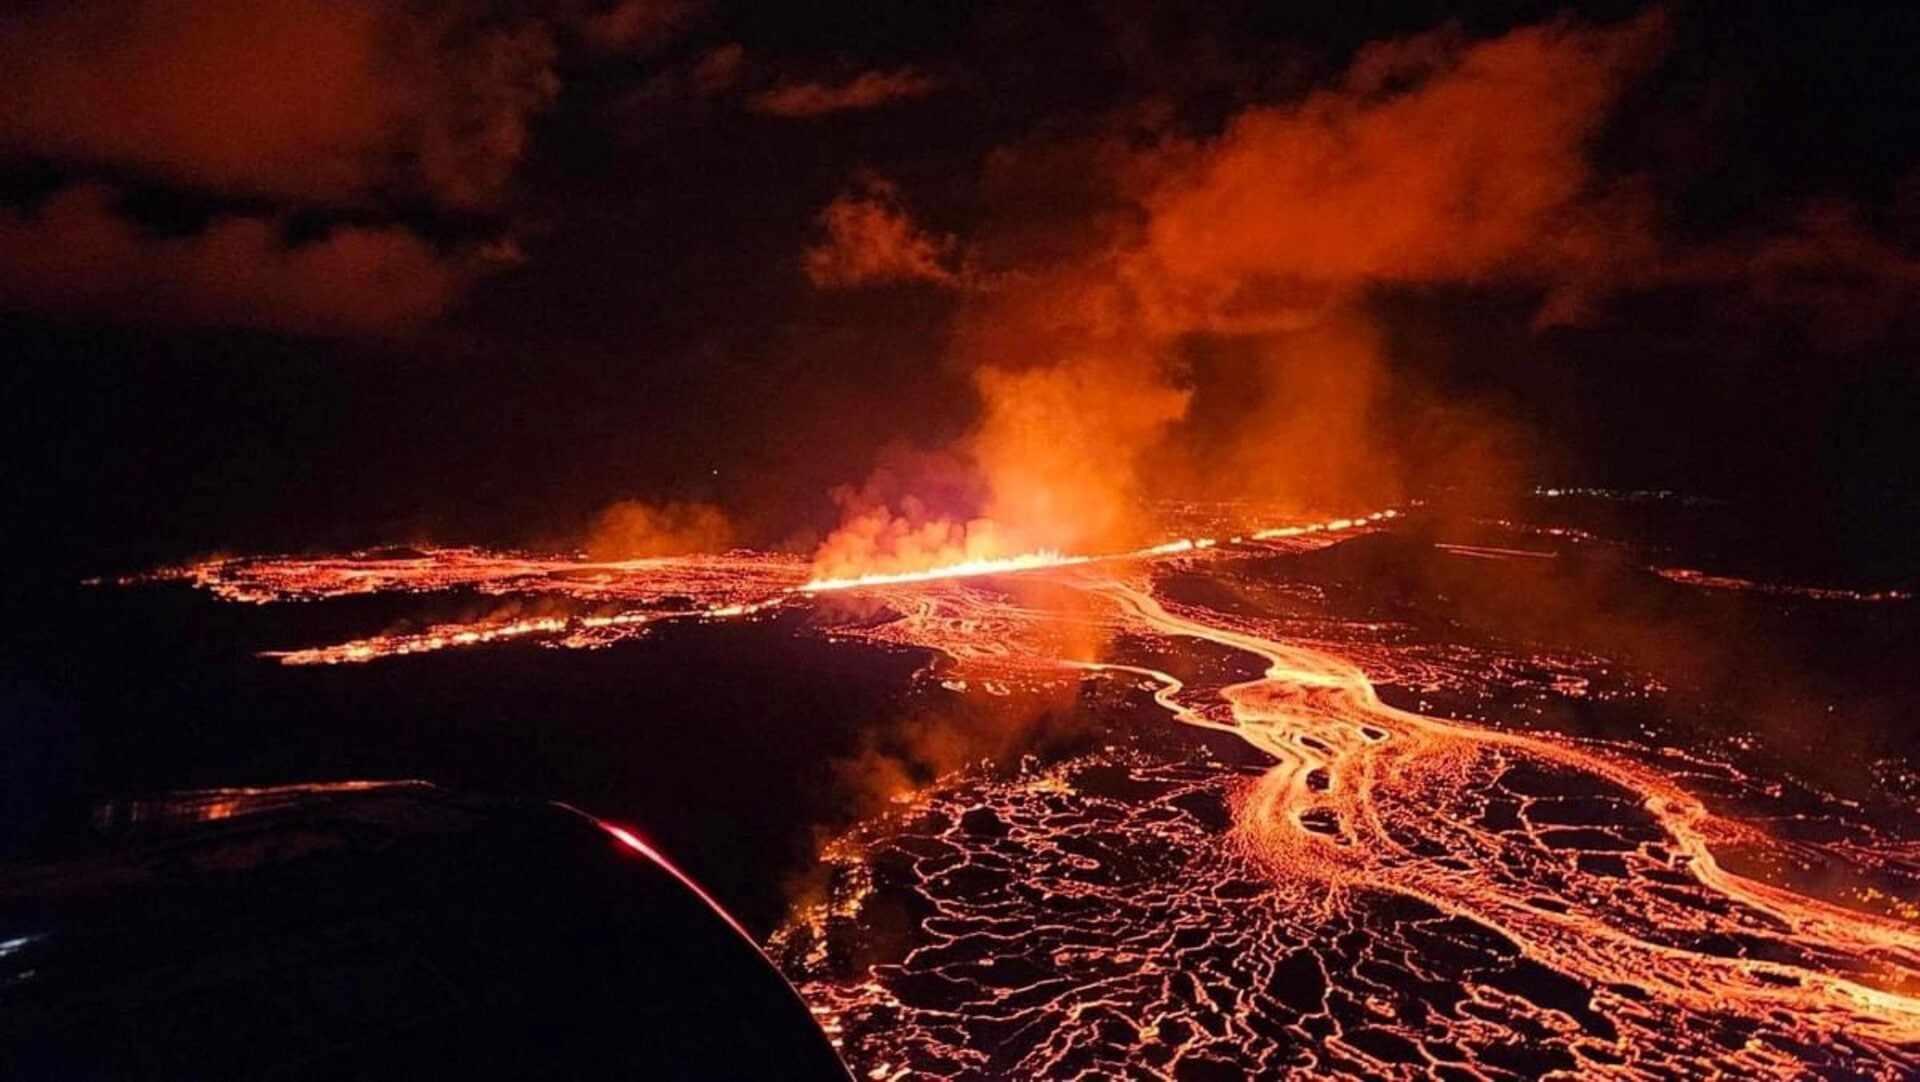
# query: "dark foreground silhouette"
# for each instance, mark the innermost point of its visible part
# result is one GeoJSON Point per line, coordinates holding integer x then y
{"type": "Point", "coordinates": [381, 930]}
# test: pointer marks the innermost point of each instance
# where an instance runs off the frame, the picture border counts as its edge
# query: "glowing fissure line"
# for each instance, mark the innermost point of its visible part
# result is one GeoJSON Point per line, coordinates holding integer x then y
{"type": "Point", "coordinates": [1044, 559]}
{"type": "Point", "coordinates": [1688, 576]}
{"type": "Point", "coordinates": [966, 569]}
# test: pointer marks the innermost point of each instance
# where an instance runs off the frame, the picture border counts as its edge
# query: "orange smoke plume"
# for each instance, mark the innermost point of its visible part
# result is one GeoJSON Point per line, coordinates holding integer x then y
{"type": "Point", "coordinates": [1204, 308]}
{"type": "Point", "coordinates": [1432, 162]}
{"type": "Point", "coordinates": [915, 512]}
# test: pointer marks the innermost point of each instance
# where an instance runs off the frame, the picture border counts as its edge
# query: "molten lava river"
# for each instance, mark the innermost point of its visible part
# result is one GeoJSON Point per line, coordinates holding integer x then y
{"type": "Point", "coordinates": [1302, 837]}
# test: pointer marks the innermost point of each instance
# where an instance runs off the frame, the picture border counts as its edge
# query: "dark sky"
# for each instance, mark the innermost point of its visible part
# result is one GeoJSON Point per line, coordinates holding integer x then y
{"type": "Point", "coordinates": [308, 273]}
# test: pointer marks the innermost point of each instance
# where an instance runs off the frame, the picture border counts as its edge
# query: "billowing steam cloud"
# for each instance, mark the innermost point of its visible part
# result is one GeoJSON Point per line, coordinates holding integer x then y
{"type": "Point", "coordinates": [1203, 316]}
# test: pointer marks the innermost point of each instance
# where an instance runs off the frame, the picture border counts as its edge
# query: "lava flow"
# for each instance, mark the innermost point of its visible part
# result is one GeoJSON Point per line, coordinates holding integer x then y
{"type": "Point", "coordinates": [1301, 876]}
{"type": "Point", "coordinates": [625, 598]}
{"type": "Point", "coordinates": [1385, 894]}
{"type": "Point", "coordinates": [578, 603]}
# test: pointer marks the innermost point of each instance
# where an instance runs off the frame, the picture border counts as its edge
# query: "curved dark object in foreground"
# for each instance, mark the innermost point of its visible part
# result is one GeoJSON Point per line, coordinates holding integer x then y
{"type": "Point", "coordinates": [382, 930]}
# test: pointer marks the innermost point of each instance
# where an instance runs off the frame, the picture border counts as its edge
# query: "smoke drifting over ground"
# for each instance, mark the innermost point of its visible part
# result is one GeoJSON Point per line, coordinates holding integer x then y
{"type": "Point", "coordinates": [633, 530]}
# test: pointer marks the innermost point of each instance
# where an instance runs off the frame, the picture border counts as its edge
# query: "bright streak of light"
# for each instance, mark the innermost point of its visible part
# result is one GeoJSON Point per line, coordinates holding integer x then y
{"type": "Point", "coordinates": [639, 845]}
{"type": "Point", "coordinates": [968, 569]}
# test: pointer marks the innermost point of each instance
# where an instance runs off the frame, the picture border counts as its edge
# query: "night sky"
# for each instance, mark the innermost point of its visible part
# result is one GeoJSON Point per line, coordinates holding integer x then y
{"type": "Point", "coordinates": [298, 275]}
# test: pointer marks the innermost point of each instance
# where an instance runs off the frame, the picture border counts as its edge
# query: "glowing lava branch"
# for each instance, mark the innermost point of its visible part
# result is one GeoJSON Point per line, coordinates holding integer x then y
{"type": "Point", "coordinates": [1339, 525]}
{"type": "Point", "coordinates": [566, 631]}
{"type": "Point", "coordinates": [1339, 746]}
{"type": "Point", "coordinates": [1688, 576]}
